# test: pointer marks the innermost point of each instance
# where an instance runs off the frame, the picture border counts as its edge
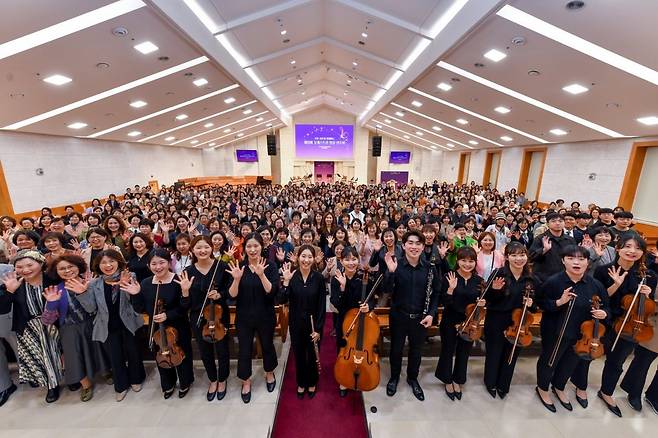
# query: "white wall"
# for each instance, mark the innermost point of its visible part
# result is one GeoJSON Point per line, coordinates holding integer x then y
{"type": "Point", "coordinates": [77, 170]}
{"type": "Point", "coordinates": [424, 165]}
{"type": "Point", "coordinates": [223, 162]}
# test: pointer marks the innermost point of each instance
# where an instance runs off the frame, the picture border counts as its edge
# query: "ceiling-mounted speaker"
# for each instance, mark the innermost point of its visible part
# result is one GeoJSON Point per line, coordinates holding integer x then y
{"type": "Point", "coordinates": [271, 145]}
{"type": "Point", "coordinates": [377, 146]}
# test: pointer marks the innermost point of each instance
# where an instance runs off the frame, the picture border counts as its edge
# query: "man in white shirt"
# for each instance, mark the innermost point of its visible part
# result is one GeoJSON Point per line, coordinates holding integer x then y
{"type": "Point", "coordinates": [499, 230]}
{"type": "Point", "coordinates": [357, 213]}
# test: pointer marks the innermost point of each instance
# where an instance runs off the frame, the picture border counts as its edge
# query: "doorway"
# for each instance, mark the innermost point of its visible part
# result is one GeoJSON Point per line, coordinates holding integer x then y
{"type": "Point", "coordinates": [324, 171]}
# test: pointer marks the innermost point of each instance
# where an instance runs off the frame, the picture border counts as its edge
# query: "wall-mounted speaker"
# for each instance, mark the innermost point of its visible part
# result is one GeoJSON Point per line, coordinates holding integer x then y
{"type": "Point", "coordinates": [271, 145]}
{"type": "Point", "coordinates": [377, 146]}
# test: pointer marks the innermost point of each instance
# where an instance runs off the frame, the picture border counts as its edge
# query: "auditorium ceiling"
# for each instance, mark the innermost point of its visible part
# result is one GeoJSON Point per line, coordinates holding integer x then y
{"type": "Point", "coordinates": [444, 74]}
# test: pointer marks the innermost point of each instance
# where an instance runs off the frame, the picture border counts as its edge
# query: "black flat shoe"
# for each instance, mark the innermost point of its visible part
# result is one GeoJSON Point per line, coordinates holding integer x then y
{"type": "Point", "coordinates": [52, 395]}
{"type": "Point", "coordinates": [300, 395]}
{"type": "Point", "coordinates": [75, 387]}
{"type": "Point", "coordinates": [246, 398]}
{"type": "Point", "coordinates": [582, 402]}
{"type": "Point", "coordinates": [392, 386]}
{"type": "Point", "coordinates": [492, 392]}
{"type": "Point", "coordinates": [636, 403]}
{"type": "Point", "coordinates": [167, 394]}
{"type": "Point", "coordinates": [501, 394]}
{"type": "Point", "coordinates": [4, 395]}
{"type": "Point", "coordinates": [652, 404]}
{"type": "Point", "coordinates": [612, 408]}
{"type": "Point", "coordinates": [343, 392]}
{"type": "Point", "coordinates": [311, 394]}
{"type": "Point", "coordinates": [416, 389]}
{"type": "Point", "coordinates": [565, 405]}
{"type": "Point", "coordinates": [183, 392]}
{"type": "Point", "coordinates": [222, 394]}
{"type": "Point", "coordinates": [270, 385]}
{"type": "Point", "coordinates": [451, 395]}
{"type": "Point", "coordinates": [549, 406]}
{"type": "Point", "coordinates": [210, 396]}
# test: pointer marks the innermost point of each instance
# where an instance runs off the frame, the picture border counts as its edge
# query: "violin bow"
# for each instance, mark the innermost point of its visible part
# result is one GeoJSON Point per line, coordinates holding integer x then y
{"type": "Point", "coordinates": [205, 299]}
{"type": "Point", "coordinates": [484, 291]}
{"type": "Point", "coordinates": [155, 305]}
{"type": "Point", "coordinates": [628, 312]}
{"type": "Point", "coordinates": [562, 330]}
{"type": "Point", "coordinates": [374, 286]}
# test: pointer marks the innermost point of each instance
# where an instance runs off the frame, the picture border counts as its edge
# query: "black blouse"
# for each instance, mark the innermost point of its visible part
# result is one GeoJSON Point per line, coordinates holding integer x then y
{"type": "Point", "coordinates": [628, 287]}
{"type": "Point", "coordinates": [306, 298]}
{"type": "Point", "coordinates": [169, 293]}
{"type": "Point", "coordinates": [467, 292]}
{"type": "Point", "coordinates": [252, 300]}
{"type": "Point", "coordinates": [510, 297]}
{"type": "Point", "coordinates": [201, 286]}
{"type": "Point", "coordinates": [114, 317]}
{"type": "Point", "coordinates": [352, 296]}
{"type": "Point", "coordinates": [139, 266]}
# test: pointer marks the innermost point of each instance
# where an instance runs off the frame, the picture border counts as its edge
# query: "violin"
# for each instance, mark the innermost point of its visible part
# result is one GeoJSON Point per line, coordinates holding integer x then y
{"type": "Point", "coordinates": [589, 347]}
{"type": "Point", "coordinates": [170, 354]}
{"type": "Point", "coordinates": [357, 365]}
{"type": "Point", "coordinates": [518, 334]}
{"type": "Point", "coordinates": [211, 316]}
{"type": "Point", "coordinates": [471, 329]}
{"type": "Point", "coordinates": [635, 326]}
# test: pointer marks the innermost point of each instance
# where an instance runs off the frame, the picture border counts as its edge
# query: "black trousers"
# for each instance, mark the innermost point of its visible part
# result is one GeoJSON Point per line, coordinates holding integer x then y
{"type": "Point", "coordinates": [126, 359]}
{"type": "Point", "coordinates": [614, 365]}
{"type": "Point", "coordinates": [216, 371]}
{"type": "Point", "coordinates": [453, 359]}
{"type": "Point", "coordinates": [305, 367]}
{"type": "Point", "coordinates": [497, 372]}
{"type": "Point", "coordinates": [184, 373]}
{"type": "Point", "coordinates": [403, 327]}
{"type": "Point", "coordinates": [563, 367]}
{"type": "Point", "coordinates": [248, 328]}
{"type": "Point", "coordinates": [636, 375]}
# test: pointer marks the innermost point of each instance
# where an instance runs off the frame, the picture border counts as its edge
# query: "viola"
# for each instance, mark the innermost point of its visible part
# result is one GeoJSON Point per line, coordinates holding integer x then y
{"type": "Point", "coordinates": [635, 326]}
{"type": "Point", "coordinates": [357, 365]}
{"type": "Point", "coordinates": [589, 347]}
{"type": "Point", "coordinates": [471, 329]}
{"type": "Point", "coordinates": [518, 333]}
{"type": "Point", "coordinates": [169, 354]}
{"type": "Point", "coordinates": [213, 330]}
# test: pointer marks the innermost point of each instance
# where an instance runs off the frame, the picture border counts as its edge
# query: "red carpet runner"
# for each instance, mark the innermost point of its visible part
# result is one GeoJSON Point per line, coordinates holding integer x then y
{"type": "Point", "coordinates": [326, 415]}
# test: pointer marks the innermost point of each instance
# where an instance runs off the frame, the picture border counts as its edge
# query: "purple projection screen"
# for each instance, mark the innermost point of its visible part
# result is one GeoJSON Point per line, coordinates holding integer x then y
{"type": "Point", "coordinates": [332, 142]}
{"type": "Point", "coordinates": [400, 178]}
{"type": "Point", "coordinates": [400, 157]}
{"type": "Point", "coordinates": [247, 155]}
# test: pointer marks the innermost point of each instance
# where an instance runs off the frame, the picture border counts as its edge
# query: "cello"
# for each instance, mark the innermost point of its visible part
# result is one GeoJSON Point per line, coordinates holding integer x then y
{"type": "Point", "coordinates": [518, 334]}
{"type": "Point", "coordinates": [471, 329]}
{"type": "Point", "coordinates": [590, 347]}
{"type": "Point", "coordinates": [635, 326]}
{"type": "Point", "coordinates": [357, 365]}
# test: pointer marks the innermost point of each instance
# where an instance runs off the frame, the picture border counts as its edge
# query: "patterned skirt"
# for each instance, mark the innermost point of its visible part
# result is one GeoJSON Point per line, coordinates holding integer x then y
{"type": "Point", "coordinates": [39, 355]}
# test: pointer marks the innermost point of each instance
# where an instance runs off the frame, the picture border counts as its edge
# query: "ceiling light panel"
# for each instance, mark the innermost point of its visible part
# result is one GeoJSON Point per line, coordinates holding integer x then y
{"type": "Point", "coordinates": [399, 123]}
{"type": "Point", "coordinates": [225, 127]}
{"type": "Point", "coordinates": [495, 55]}
{"type": "Point", "coordinates": [200, 82]}
{"type": "Point", "coordinates": [247, 128]}
{"type": "Point", "coordinates": [57, 79]}
{"type": "Point", "coordinates": [648, 120]}
{"type": "Point", "coordinates": [407, 136]}
{"type": "Point", "coordinates": [77, 125]}
{"type": "Point", "coordinates": [575, 89]}
{"type": "Point", "coordinates": [146, 47]}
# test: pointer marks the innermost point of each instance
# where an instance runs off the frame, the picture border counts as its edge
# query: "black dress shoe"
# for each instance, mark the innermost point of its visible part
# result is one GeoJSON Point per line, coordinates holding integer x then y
{"type": "Point", "coordinates": [652, 404]}
{"type": "Point", "coordinates": [458, 395]}
{"type": "Point", "coordinates": [451, 395]}
{"type": "Point", "coordinates": [501, 394]}
{"type": "Point", "coordinates": [416, 389]}
{"type": "Point", "coordinates": [210, 396]}
{"type": "Point", "coordinates": [492, 392]}
{"type": "Point", "coordinates": [635, 402]}
{"type": "Point", "coordinates": [549, 406]}
{"type": "Point", "coordinates": [222, 394]}
{"type": "Point", "coordinates": [52, 395]}
{"type": "Point", "coordinates": [582, 401]}
{"type": "Point", "coordinates": [612, 408]}
{"type": "Point", "coordinates": [246, 397]}
{"type": "Point", "coordinates": [167, 394]}
{"type": "Point", "coordinates": [75, 387]}
{"type": "Point", "coordinates": [392, 386]}
{"type": "Point", "coordinates": [4, 395]}
{"type": "Point", "coordinates": [565, 405]}
{"type": "Point", "coordinates": [270, 385]}
{"type": "Point", "coordinates": [300, 395]}
{"type": "Point", "coordinates": [343, 392]}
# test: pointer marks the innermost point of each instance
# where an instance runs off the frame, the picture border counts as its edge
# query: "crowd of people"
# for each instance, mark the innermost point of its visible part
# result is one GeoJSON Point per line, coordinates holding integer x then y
{"type": "Point", "coordinates": [74, 288]}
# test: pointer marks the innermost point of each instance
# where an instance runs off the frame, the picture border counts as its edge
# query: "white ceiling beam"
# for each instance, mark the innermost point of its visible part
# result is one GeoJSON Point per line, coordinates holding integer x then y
{"type": "Point", "coordinates": [295, 73]}
{"type": "Point", "coordinates": [363, 53]}
{"type": "Point", "coordinates": [350, 90]}
{"type": "Point", "coordinates": [324, 65]}
{"type": "Point", "coordinates": [298, 89]}
{"type": "Point", "coordinates": [355, 75]}
{"type": "Point", "coordinates": [284, 52]}
{"type": "Point", "coordinates": [376, 13]}
{"type": "Point", "coordinates": [264, 13]}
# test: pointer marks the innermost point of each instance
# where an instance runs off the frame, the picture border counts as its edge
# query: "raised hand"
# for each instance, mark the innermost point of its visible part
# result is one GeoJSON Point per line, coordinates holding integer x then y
{"type": "Point", "coordinates": [452, 282]}
{"type": "Point", "coordinates": [330, 240]}
{"type": "Point", "coordinates": [567, 295]}
{"type": "Point", "coordinates": [587, 241]}
{"type": "Point", "coordinates": [340, 277]}
{"type": "Point", "coordinates": [185, 281]}
{"type": "Point", "coordinates": [12, 281]}
{"type": "Point", "coordinates": [259, 268]}
{"type": "Point", "coordinates": [318, 258]}
{"type": "Point", "coordinates": [476, 247]}
{"type": "Point", "coordinates": [280, 254]}
{"type": "Point", "coordinates": [292, 257]}
{"type": "Point", "coordinates": [377, 244]}
{"type": "Point", "coordinates": [599, 249]}
{"type": "Point", "coordinates": [75, 244]}
{"type": "Point", "coordinates": [52, 294]}
{"type": "Point", "coordinates": [6, 235]}
{"type": "Point", "coordinates": [231, 251]}
{"type": "Point", "coordinates": [616, 275]}
{"type": "Point", "coordinates": [391, 262]}
{"type": "Point", "coordinates": [546, 242]}
{"type": "Point", "coordinates": [130, 285]}
{"type": "Point", "coordinates": [498, 283]}
{"type": "Point", "coordinates": [235, 270]}
{"type": "Point", "coordinates": [443, 249]}
{"type": "Point", "coordinates": [287, 272]}
{"type": "Point", "coordinates": [77, 285]}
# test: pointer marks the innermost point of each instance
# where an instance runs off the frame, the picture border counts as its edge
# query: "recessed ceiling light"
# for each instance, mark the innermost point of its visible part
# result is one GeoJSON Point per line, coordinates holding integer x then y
{"type": "Point", "coordinates": [146, 47]}
{"type": "Point", "coordinates": [200, 82]}
{"type": "Point", "coordinates": [247, 112]}
{"type": "Point", "coordinates": [495, 55]}
{"type": "Point", "coordinates": [77, 125]}
{"type": "Point", "coordinates": [212, 144]}
{"type": "Point", "coordinates": [364, 35]}
{"type": "Point", "coordinates": [502, 109]}
{"type": "Point", "coordinates": [240, 134]}
{"type": "Point", "coordinates": [138, 104]}
{"type": "Point", "coordinates": [473, 142]}
{"type": "Point", "coordinates": [134, 133]}
{"type": "Point", "coordinates": [349, 81]}
{"type": "Point", "coordinates": [558, 131]}
{"type": "Point", "coordinates": [450, 145]}
{"type": "Point", "coordinates": [227, 130]}
{"type": "Point", "coordinates": [57, 80]}
{"type": "Point", "coordinates": [406, 136]}
{"type": "Point", "coordinates": [170, 138]}
{"type": "Point", "coordinates": [417, 104]}
{"type": "Point", "coordinates": [649, 120]}
{"type": "Point", "coordinates": [419, 133]}
{"type": "Point", "coordinates": [194, 141]}
{"type": "Point", "coordinates": [399, 113]}
{"type": "Point", "coordinates": [283, 32]}
{"type": "Point", "coordinates": [293, 62]}
{"type": "Point", "coordinates": [462, 121]}
{"type": "Point", "coordinates": [445, 87]}
{"type": "Point", "coordinates": [269, 125]}
{"type": "Point", "coordinates": [387, 120]}
{"type": "Point", "coordinates": [259, 119]}
{"type": "Point", "coordinates": [209, 125]}
{"type": "Point", "coordinates": [575, 89]}
{"type": "Point", "coordinates": [354, 63]}
{"type": "Point", "coordinates": [229, 100]}
{"type": "Point", "coordinates": [379, 126]}
{"type": "Point", "coordinates": [506, 138]}
{"type": "Point", "coordinates": [436, 128]}
{"type": "Point", "coordinates": [181, 117]}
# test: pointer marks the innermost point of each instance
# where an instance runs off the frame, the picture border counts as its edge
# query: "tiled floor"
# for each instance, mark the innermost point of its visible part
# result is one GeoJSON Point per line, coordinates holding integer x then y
{"type": "Point", "coordinates": [478, 415]}
{"type": "Point", "coordinates": [146, 414]}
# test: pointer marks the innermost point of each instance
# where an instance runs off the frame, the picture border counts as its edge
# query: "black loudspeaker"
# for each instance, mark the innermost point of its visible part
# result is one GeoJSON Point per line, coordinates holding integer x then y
{"type": "Point", "coordinates": [377, 146]}
{"type": "Point", "coordinates": [271, 145]}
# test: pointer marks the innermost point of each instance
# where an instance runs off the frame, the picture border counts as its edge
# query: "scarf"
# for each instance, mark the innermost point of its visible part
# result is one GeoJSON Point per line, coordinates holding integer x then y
{"type": "Point", "coordinates": [114, 278]}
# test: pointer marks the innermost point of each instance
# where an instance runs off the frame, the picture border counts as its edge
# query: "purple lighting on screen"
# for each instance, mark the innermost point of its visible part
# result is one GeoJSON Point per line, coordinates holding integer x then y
{"type": "Point", "coordinates": [400, 157]}
{"type": "Point", "coordinates": [333, 142]}
{"type": "Point", "coordinates": [247, 155]}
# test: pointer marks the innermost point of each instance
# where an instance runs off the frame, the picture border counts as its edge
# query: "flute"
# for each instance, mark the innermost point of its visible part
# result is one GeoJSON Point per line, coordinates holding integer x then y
{"type": "Point", "coordinates": [315, 348]}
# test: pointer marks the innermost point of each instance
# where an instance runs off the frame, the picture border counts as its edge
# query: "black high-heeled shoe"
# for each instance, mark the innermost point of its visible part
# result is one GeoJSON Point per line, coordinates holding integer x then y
{"type": "Point", "coordinates": [565, 405]}
{"type": "Point", "coordinates": [221, 394]}
{"type": "Point", "coordinates": [492, 392]}
{"type": "Point", "coordinates": [501, 394]}
{"type": "Point", "coordinates": [582, 401]}
{"type": "Point", "coordinates": [451, 395]}
{"type": "Point", "coordinates": [612, 408]}
{"type": "Point", "coordinates": [549, 406]}
{"type": "Point", "coordinates": [210, 396]}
